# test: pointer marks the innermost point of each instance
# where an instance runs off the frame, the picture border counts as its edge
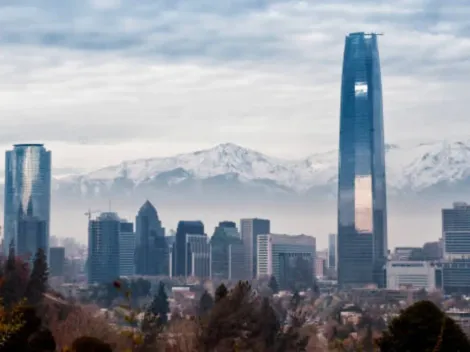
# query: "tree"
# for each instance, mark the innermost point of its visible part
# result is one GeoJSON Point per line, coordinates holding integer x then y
{"type": "Point", "coordinates": [220, 292]}
{"type": "Point", "coordinates": [273, 285]}
{"type": "Point", "coordinates": [13, 285]}
{"type": "Point", "coordinates": [157, 312]}
{"type": "Point", "coordinates": [295, 300]}
{"type": "Point", "coordinates": [205, 303]}
{"type": "Point", "coordinates": [423, 327]}
{"type": "Point", "coordinates": [37, 284]}
{"type": "Point", "coordinates": [88, 344]}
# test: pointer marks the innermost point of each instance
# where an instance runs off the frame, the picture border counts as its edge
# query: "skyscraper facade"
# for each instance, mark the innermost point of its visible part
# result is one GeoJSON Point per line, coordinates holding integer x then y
{"type": "Point", "coordinates": [27, 196]}
{"type": "Point", "coordinates": [332, 251]}
{"type": "Point", "coordinates": [179, 254]}
{"type": "Point", "coordinates": [151, 251]}
{"type": "Point", "coordinates": [103, 248]}
{"type": "Point", "coordinates": [250, 230]}
{"type": "Point", "coordinates": [362, 209]}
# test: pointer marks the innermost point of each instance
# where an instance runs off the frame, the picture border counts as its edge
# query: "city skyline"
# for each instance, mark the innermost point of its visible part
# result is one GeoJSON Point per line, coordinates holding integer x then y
{"type": "Point", "coordinates": [112, 73]}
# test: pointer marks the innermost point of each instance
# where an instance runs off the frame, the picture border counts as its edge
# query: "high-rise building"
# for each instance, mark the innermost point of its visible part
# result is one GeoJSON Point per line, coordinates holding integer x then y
{"type": "Point", "coordinates": [456, 238]}
{"type": "Point", "coordinates": [332, 251]}
{"type": "Point", "coordinates": [250, 230]}
{"type": "Point", "coordinates": [103, 248]}
{"type": "Point", "coordinates": [27, 195]}
{"type": "Point", "coordinates": [290, 259]}
{"type": "Point", "coordinates": [56, 261]}
{"type": "Point", "coordinates": [179, 257]}
{"type": "Point", "coordinates": [151, 254]}
{"type": "Point", "coordinates": [227, 252]}
{"type": "Point", "coordinates": [456, 231]}
{"type": "Point", "coordinates": [362, 208]}
{"type": "Point", "coordinates": [198, 256]}
{"type": "Point", "coordinates": [126, 249]}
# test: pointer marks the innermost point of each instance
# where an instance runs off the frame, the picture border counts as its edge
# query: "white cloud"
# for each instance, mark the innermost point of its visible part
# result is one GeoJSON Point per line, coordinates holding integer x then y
{"type": "Point", "coordinates": [156, 78]}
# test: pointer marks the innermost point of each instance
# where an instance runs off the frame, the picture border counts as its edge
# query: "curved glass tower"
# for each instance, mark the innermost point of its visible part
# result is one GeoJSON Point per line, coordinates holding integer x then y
{"type": "Point", "coordinates": [362, 209]}
{"type": "Point", "coordinates": [27, 198]}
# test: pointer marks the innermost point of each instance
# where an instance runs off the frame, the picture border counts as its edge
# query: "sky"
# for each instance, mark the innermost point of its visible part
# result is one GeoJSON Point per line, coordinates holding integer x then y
{"type": "Point", "coordinates": [100, 81]}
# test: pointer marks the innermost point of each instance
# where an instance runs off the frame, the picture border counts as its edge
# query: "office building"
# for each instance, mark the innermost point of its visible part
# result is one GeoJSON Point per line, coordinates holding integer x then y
{"type": "Point", "coordinates": [456, 231]}
{"type": "Point", "coordinates": [56, 261]}
{"type": "Point", "coordinates": [411, 274]}
{"type": "Point", "coordinates": [103, 248]}
{"type": "Point", "coordinates": [290, 259]}
{"type": "Point", "coordinates": [321, 263]}
{"type": "Point", "coordinates": [151, 252]}
{"type": "Point", "coordinates": [362, 209]}
{"type": "Point", "coordinates": [405, 253]}
{"type": "Point", "coordinates": [179, 253]}
{"type": "Point", "coordinates": [31, 234]}
{"type": "Point", "coordinates": [250, 230]}
{"type": "Point", "coordinates": [332, 251]}
{"type": "Point", "coordinates": [198, 256]}
{"type": "Point", "coordinates": [27, 195]}
{"type": "Point", "coordinates": [126, 249]}
{"type": "Point", "coordinates": [227, 253]}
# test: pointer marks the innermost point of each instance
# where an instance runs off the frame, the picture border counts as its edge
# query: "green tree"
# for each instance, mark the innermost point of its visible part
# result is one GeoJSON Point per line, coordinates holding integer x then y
{"type": "Point", "coordinates": [12, 289]}
{"type": "Point", "coordinates": [273, 285]}
{"type": "Point", "coordinates": [220, 292]}
{"type": "Point", "coordinates": [157, 312]}
{"type": "Point", "coordinates": [37, 284]}
{"type": "Point", "coordinates": [205, 303]}
{"type": "Point", "coordinates": [423, 327]}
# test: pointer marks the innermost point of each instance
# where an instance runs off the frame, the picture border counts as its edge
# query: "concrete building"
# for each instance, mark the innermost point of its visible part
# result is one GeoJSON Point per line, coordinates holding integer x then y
{"type": "Point", "coordinates": [290, 259]}
{"type": "Point", "coordinates": [250, 230]}
{"type": "Point", "coordinates": [411, 274]}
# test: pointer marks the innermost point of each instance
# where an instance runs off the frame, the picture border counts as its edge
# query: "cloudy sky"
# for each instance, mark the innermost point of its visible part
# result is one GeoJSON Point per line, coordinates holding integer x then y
{"type": "Point", "coordinates": [104, 80]}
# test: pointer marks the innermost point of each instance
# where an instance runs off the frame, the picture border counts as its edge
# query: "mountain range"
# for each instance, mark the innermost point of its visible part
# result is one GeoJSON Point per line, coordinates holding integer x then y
{"type": "Point", "coordinates": [229, 169]}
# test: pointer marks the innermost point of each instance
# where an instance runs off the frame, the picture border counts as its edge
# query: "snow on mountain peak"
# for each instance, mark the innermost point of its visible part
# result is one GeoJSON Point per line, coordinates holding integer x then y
{"type": "Point", "coordinates": [415, 167]}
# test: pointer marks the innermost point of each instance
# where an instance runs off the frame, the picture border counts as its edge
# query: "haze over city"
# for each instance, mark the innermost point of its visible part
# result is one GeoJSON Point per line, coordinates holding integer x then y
{"type": "Point", "coordinates": [100, 82]}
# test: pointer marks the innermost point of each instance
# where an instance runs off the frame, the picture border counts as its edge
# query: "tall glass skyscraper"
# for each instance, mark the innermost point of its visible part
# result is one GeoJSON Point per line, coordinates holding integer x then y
{"type": "Point", "coordinates": [27, 196]}
{"type": "Point", "coordinates": [362, 209]}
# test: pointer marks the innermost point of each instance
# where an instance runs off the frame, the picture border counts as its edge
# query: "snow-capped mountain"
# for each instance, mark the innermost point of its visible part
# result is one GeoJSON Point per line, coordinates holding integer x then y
{"type": "Point", "coordinates": [418, 168]}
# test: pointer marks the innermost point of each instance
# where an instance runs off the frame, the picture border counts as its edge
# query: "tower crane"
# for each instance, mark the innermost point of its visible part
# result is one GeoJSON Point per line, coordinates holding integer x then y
{"type": "Point", "coordinates": [90, 212]}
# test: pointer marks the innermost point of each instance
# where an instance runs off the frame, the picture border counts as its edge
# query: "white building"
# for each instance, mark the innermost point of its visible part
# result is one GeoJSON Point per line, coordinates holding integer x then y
{"type": "Point", "coordinates": [415, 274]}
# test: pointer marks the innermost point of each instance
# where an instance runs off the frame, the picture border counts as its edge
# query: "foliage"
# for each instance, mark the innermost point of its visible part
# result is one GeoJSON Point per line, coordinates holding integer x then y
{"type": "Point", "coordinates": [90, 344]}
{"type": "Point", "coordinates": [273, 285]}
{"type": "Point", "coordinates": [11, 322]}
{"type": "Point", "coordinates": [220, 292]}
{"type": "Point", "coordinates": [205, 303]}
{"type": "Point", "coordinates": [159, 308]}
{"type": "Point", "coordinates": [42, 340]}
{"type": "Point", "coordinates": [37, 284]}
{"type": "Point", "coordinates": [423, 327]}
{"type": "Point", "coordinates": [30, 324]}
{"type": "Point", "coordinates": [14, 280]}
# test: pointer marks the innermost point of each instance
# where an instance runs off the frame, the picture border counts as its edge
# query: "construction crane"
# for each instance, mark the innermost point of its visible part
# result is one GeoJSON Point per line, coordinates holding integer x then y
{"type": "Point", "coordinates": [90, 212]}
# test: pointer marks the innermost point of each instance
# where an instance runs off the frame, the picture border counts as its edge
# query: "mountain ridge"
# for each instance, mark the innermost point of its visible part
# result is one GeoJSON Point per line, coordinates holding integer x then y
{"type": "Point", "coordinates": [422, 167]}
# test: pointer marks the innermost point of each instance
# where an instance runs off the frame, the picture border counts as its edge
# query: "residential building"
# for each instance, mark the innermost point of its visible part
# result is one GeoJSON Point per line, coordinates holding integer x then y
{"type": "Point", "coordinates": [290, 259]}
{"type": "Point", "coordinates": [362, 208]}
{"type": "Point", "coordinates": [411, 274]}
{"type": "Point", "coordinates": [250, 230]}
{"type": "Point", "coordinates": [27, 194]}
